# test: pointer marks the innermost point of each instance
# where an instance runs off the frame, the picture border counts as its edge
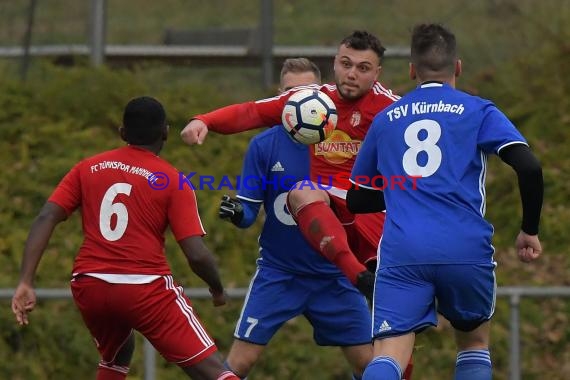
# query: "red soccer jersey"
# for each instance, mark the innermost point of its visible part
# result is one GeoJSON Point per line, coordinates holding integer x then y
{"type": "Point", "coordinates": [329, 158]}
{"type": "Point", "coordinates": [126, 205]}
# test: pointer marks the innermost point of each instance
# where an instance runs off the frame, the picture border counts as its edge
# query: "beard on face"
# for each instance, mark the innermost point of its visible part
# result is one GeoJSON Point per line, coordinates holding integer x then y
{"type": "Point", "coordinates": [352, 94]}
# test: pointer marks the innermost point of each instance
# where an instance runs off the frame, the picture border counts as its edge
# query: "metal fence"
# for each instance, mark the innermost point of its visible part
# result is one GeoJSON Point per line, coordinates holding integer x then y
{"type": "Point", "coordinates": [265, 54]}
{"type": "Point", "coordinates": [513, 293]}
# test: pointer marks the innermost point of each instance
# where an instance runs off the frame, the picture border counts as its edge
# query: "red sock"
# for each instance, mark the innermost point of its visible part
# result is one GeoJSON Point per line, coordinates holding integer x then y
{"type": "Point", "coordinates": [228, 375]}
{"type": "Point", "coordinates": [324, 232]}
{"type": "Point", "coordinates": [106, 373]}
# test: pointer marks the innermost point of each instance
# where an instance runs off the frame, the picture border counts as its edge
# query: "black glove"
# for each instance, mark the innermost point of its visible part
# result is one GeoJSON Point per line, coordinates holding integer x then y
{"type": "Point", "coordinates": [231, 210]}
{"type": "Point", "coordinates": [365, 284]}
{"type": "Point", "coordinates": [371, 265]}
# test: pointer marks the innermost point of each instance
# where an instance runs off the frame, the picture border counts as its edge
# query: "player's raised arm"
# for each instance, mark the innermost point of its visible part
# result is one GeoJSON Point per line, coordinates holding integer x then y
{"type": "Point", "coordinates": [234, 119]}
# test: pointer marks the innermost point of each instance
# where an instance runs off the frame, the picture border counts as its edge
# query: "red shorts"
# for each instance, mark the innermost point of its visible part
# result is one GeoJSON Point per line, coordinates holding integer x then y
{"type": "Point", "coordinates": [159, 310]}
{"type": "Point", "coordinates": [363, 230]}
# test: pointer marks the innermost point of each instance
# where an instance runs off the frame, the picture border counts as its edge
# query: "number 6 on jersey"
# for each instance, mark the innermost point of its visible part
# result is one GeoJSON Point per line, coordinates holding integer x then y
{"type": "Point", "coordinates": [108, 209]}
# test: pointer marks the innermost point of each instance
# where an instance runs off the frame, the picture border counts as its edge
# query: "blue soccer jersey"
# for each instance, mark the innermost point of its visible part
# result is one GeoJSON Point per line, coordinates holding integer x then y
{"type": "Point", "coordinates": [430, 160]}
{"type": "Point", "coordinates": [272, 165]}
{"type": "Point", "coordinates": [301, 280]}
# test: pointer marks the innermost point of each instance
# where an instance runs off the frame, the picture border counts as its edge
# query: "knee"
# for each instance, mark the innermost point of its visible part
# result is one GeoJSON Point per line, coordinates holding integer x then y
{"type": "Point", "coordinates": [358, 357]}
{"type": "Point", "coordinates": [360, 364]}
{"type": "Point", "coordinates": [297, 198]}
{"type": "Point", "coordinates": [242, 363]}
{"type": "Point", "coordinates": [471, 335]}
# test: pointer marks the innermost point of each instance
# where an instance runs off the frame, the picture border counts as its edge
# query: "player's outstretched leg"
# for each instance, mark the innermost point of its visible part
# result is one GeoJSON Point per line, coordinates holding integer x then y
{"type": "Point", "coordinates": [324, 232]}
{"type": "Point", "coordinates": [322, 229]}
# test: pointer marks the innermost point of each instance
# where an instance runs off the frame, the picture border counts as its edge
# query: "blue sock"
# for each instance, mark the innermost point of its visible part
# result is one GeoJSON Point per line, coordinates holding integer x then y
{"type": "Point", "coordinates": [382, 368]}
{"type": "Point", "coordinates": [473, 365]}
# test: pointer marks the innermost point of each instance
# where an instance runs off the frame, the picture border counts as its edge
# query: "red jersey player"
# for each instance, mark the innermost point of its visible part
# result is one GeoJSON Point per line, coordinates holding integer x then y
{"type": "Point", "coordinates": [350, 241]}
{"type": "Point", "coordinates": [358, 96]}
{"type": "Point", "coordinates": [121, 280]}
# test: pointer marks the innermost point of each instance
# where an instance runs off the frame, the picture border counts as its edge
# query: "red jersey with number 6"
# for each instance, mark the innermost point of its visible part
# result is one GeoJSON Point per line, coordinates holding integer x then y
{"type": "Point", "coordinates": [128, 197]}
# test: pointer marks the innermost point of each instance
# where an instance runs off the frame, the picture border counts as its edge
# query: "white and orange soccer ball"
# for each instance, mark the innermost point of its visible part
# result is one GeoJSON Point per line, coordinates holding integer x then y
{"type": "Point", "coordinates": [309, 116]}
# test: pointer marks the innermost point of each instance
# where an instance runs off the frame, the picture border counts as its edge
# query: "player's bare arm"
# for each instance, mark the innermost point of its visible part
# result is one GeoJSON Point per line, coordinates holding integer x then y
{"type": "Point", "coordinates": [24, 299]}
{"type": "Point", "coordinates": [204, 265]}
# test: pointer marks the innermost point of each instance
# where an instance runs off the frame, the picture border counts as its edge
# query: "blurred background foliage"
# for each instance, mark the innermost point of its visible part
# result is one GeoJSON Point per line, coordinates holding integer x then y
{"type": "Point", "coordinates": [516, 53]}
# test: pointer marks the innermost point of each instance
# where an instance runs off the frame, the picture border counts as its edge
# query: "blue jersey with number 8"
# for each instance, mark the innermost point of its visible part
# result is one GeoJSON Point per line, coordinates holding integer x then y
{"type": "Point", "coordinates": [428, 153]}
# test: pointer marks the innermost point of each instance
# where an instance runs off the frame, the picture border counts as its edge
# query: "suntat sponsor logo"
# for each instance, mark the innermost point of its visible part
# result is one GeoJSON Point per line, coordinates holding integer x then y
{"type": "Point", "coordinates": [338, 148]}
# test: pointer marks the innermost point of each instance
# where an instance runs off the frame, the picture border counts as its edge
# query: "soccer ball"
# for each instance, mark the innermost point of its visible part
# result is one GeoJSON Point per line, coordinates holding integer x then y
{"type": "Point", "coordinates": [309, 116]}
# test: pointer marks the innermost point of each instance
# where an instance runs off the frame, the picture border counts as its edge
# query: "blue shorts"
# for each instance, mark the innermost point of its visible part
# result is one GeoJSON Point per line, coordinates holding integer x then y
{"type": "Point", "coordinates": [407, 298]}
{"type": "Point", "coordinates": [337, 311]}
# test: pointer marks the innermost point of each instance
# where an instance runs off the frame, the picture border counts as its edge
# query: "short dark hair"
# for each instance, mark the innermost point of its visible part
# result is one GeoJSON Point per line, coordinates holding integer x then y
{"type": "Point", "coordinates": [362, 40]}
{"type": "Point", "coordinates": [300, 65]}
{"type": "Point", "coordinates": [433, 49]}
{"type": "Point", "coordinates": [144, 121]}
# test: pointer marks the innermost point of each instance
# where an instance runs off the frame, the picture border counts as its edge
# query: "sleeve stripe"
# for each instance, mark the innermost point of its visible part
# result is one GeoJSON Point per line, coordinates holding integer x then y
{"type": "Point", "coordinates": [381, 90]}
{"type": "Point", "coordinates": [249, 199]}
{"type": "Point", "coordinates": [511, 143]}
{"type": "Point", "coordinates": [364, 186]}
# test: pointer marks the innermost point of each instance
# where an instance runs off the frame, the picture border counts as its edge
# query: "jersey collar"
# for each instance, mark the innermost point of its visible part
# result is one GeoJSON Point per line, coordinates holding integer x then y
{"type": "Point", "coordinates": [434, 84]}
{"type": "Point", "coordinates": [431, 83]}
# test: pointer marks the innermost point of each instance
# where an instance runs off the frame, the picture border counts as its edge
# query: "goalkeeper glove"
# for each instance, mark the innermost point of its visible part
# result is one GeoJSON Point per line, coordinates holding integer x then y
{"type": "Point", "coordinates": [231, 210]}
